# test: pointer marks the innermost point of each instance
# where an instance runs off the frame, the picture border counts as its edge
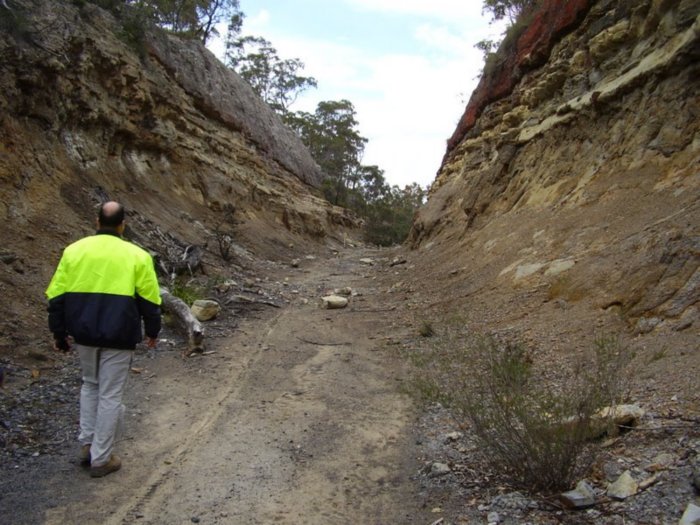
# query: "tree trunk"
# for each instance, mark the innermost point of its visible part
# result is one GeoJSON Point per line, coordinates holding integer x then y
{"type": "Point", "coordinates": [188, 322]}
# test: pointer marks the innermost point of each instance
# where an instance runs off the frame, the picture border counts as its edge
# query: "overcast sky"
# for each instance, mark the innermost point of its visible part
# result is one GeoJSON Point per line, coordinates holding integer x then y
{"type": "Point", "coordinates": [408, 67]}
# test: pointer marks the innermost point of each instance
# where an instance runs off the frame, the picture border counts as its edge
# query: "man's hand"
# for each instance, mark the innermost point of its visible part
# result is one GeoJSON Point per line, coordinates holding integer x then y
{"type": "Point", "coordinates": [151, 342]}
{"type": "Point", "coordinates": [61, 345]}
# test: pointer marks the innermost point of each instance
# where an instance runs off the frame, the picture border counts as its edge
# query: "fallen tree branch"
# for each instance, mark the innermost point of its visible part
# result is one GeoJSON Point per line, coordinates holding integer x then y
{"type": "Point", "coordinates": [186, 320]}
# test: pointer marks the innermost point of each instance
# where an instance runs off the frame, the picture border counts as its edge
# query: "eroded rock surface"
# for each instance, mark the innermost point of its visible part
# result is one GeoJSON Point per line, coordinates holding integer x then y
{"type": "Point", "coordinates": [197, 158]}
{"type": "Point", "coordinates": [574, 168]}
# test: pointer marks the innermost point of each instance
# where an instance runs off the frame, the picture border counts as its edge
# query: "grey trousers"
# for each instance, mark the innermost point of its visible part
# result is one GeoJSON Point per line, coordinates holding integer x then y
{"type": "Point", "coordinates": [104, 372]}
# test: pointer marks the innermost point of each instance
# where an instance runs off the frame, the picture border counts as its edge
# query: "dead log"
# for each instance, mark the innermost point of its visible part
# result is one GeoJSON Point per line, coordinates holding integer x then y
{"type": "Point", "coordinates": [186, 321]}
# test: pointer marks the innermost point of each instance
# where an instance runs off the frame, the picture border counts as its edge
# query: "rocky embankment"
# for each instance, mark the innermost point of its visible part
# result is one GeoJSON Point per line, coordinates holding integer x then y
{"type": "Point", "coordinates": [567, 207]}
{"type": "Point", "coordinates": [574, 169]}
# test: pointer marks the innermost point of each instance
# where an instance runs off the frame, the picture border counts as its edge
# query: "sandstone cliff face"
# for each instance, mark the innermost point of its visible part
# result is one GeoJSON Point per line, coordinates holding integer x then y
{"type": "Point", "coordinates": [575, 167]}
{"type": "Point", "coordinates": [171, 133]}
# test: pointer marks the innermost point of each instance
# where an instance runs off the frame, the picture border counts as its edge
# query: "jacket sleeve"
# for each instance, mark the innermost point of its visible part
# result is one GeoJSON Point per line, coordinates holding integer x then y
{"type": "Point", "coordinates": [55, 293]}
{"type": "Point", "coordinates": [148, 297]}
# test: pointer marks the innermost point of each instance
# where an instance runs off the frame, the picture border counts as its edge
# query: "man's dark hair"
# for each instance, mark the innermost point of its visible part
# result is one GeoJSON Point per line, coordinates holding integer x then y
{"type": "Point", "coordinates": [113, 219]}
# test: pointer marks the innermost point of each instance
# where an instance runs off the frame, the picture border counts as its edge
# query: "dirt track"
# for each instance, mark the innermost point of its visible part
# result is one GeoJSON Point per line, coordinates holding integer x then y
{"type": "Point", "coordinates": [296, 418]}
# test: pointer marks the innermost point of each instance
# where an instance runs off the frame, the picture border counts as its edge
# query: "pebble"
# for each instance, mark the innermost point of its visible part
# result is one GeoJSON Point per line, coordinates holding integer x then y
{"type": "Point", "coordinates": [696, 477]}
{"type": "Point", "coordinates": [579, 498]}
{"type": "Point", "coordinates": [624, 487]}
{"type": "Point", "coordinates": [660, 462]}
{"type": "Point", "coordinates": [510, 501]}
{"type": "Point", "coordinates": [691, 516]}
{"type": "Point", "coordinates": [453, 436]}
{"type": "Point", "coordinates": [205, 309]}
{"type": "Point", "coordinates": [439, 469]}
{"type": "Point", "coordinates": [334, 301]}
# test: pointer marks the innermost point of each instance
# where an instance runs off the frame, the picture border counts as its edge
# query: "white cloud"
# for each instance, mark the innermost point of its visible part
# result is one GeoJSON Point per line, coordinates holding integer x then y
{"type": "Point", "coordinates": [408, 125]}
{"type": "Point", "coordinates": [449, 10]}
{"type": "Point", "coordinates": [407, 104]}
{"type": "Point", "coordinates": [258, 21]}
{"type": "Point", "coordinates": [441, 38]}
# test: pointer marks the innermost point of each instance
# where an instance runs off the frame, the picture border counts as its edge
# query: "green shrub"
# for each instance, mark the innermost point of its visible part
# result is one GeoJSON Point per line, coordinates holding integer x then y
{"type": "Point", "coordinates": [533, 424]}
{"type": "Point", "coordinates": [185, 291]}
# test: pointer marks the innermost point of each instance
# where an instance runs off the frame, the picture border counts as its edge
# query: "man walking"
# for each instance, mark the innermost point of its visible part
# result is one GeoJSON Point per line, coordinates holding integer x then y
{"type": "Point", "coordinates": [102, 288]}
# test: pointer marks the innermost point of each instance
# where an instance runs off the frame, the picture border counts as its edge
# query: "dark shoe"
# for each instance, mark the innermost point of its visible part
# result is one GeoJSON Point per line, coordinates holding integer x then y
{"type": "Point", "coordinates": [85, 455]}
{"type": "Point", "coordinates": [112, 465]}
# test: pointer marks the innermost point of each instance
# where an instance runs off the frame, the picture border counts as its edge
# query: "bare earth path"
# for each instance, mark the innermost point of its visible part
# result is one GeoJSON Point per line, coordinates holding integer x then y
{"type": "Point", "coordinates": [296, 418]}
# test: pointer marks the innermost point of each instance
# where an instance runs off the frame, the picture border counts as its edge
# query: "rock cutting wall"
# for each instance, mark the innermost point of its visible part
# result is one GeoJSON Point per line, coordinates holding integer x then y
{"type": "Point", "coordinates": [576, 166]}
{"type": "Point", "coordinates": [173, 121]}
{"type": "Point", "coordinates": [163, 127]}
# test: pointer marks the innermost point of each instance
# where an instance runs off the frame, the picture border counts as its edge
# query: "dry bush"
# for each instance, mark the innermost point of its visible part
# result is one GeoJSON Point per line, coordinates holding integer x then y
{"type": "Point", "coordinates": [531, 426]}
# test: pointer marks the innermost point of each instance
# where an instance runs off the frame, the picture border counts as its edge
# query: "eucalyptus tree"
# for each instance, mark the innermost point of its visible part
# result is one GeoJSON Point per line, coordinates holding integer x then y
{"type": "Point", "coordinates": [189, 18]}
{"type": "Point", "coordinates": [510, 9]}
{"type": "Point", "coordinates": [277, 81]}
{"type": "Point", "coordinates": [332, 137]}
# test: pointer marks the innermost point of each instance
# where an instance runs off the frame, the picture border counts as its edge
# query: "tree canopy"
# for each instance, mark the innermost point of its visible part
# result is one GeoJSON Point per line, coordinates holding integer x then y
{"type": "Point", "coordinates": [277, 81]}
{"type": "Point", "coordinates": [332, 136]}
{"type": "Point", "coordinates": [510, 9]}
{"type": "Point", "coordinates": [190, 18]}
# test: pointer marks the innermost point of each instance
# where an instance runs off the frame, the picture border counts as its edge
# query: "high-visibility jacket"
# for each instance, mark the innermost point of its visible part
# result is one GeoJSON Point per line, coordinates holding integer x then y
{"type": "Point", "coordinates": [102, 288]}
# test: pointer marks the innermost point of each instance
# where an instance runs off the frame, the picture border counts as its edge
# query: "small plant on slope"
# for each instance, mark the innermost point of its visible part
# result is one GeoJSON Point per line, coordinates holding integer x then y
{"type": "Point", "coordinates": [530, 427]}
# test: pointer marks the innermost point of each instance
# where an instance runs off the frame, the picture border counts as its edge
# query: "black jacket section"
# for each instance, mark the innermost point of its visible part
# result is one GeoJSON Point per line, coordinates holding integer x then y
{"type": "Point", "coordinates": [105, 320]}
{"type": "Point", "coordinates": [151, 316]}
{"type": "Point", "coordinates": [57, 323]}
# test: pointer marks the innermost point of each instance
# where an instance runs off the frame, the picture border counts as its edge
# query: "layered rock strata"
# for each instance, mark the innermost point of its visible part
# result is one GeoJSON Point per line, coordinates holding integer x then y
{"type": "Point", "coordinates": [80, 107]}
{"type": "Point", "coordinates": [86, 113]}
{"type": "Point", "coordinates": [575, 168]}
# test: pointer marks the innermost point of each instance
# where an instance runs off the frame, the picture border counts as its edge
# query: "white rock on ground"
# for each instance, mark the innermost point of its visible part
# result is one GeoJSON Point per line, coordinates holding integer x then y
{"type": "Point", "coordinates": [205, 309]}
{"type": "Point", "coordinates": [579, 498]}
{"type": "Point", "coordinates": [439, 469]}
{"type": "Point", "coordinates": [691, 516]}
{"type": "Point", "coordinates": [332, 302]}
{"type": "Point", "coordinates": [620, 415]}
{"type": "Point", "coordinates": [624, 487]}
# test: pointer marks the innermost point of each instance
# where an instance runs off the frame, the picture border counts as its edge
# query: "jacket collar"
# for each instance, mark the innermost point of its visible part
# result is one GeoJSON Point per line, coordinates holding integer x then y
{"type": "Point", "coordinates": [108, 231]}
